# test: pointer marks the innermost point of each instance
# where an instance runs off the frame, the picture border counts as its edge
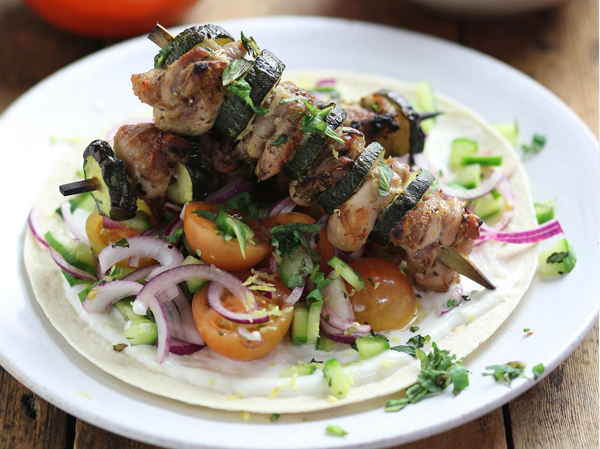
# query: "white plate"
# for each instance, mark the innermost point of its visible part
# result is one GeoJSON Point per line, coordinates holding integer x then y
{"type": "Point", "coordinates": [95, 92]}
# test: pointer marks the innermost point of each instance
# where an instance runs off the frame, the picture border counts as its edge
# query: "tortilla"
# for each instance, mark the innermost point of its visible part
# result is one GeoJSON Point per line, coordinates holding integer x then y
{"type": "Point", "coordinates": [505, 261]}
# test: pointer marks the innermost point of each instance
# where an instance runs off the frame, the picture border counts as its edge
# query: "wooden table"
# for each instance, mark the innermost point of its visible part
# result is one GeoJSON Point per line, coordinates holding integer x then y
{"type": "Point", "coordinates": [557, 47]}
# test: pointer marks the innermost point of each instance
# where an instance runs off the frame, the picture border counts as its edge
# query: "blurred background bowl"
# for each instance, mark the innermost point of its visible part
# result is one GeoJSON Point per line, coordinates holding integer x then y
{"type": "Point", "coordinates": [110, 18]}
{"type": "Point", "coordinates": [473, 8]}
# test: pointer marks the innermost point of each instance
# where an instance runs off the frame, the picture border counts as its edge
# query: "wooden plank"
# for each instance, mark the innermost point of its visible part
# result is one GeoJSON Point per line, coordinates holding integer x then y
{"type": "Point", "coordinates": [558, 47]}
{"type": "Point", "coordinates": [29, 422]}
{"type": "Point", "coordinates": [562, 410]}
{"type": "Point", "coordinates": [91, 437]}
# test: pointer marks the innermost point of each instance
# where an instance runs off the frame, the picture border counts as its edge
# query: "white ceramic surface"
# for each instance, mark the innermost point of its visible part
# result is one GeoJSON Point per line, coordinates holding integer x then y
{"type": "Point", "coordinates": [95, 92]}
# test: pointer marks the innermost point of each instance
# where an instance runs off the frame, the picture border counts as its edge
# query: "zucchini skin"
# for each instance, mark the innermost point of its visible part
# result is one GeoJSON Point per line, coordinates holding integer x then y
{"type": "Point", "coordinates": [416, 139]}
{"type": "Point", "coordinates": [312, 145]}
{"type": "Point", "coordinates": [188, 39]}
{"type": "Point", "coordinates": [263, 76]}
{"type": "Point", "coordinates": [332, 198]}
{"type": "Point", "coordinates": [199, 175]}
{"type": "Point", "coordinates": [116, 189]}
{"type": "Point", "coordinates": [405, 202]}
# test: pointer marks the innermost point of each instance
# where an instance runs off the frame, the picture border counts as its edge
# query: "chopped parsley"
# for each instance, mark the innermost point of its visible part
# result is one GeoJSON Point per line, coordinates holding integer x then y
{"type": "Point", "coordinates": [413, 343]}
{"type": "Point", "coordinates": [274, 417]}
{"type": "Point", "coordinates": [330, 90]}
{"type": "Point", "coordinates": [557, 257]}
{"type": "Point", "coordinates": [163, 52]}
{"type": "Point", "coordinates": [123, 243]}
{"type": "Point", "coordinates": [279, 141]}
{"type": "Point", "coordinates": [288, 238]}
{"type": "Point", "coordinates": [526, 329]}
{"type": "Point", "coordinates": [506, 373]}
{"type": "Point", "coordinates": [174, 238]}
{"type": "Point", "coordinates": [335, 431]}
{"type": "Point", "coordinates": [313, 123]}
{"type": "Point", "coordinates": [235, 70]}
{"type": "Point", "coordinates": [537, 144]}
{"type": "Point", "coordinates": [538, 370]}
{"type": "Point", "coordinates": [241, 89]}
{"type": "Point", "coordinates": [229, 227]}
{"type": "Point", "coordinates": [318, 278]}
{"type": "Point", "coordinates": [414, 329]}
{"type": "Point", "coordinates": [250, 45]}
{"type": "Point", "coordinates": [439, 370]}
{"type": "Point", "coordinates": [385, 178]}
{"type": "Point", "coordinates": [452, 303]}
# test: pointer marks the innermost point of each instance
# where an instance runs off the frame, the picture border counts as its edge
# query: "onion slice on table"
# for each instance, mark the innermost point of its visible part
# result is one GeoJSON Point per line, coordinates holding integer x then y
{"type": "Point", "coordinates": [102, 297]}
{"type": "Point", "coordinates": [34, 225]}
{"type": "Point", "coordinates": [234, 187]}
{"type": "Point", "coordinates": [66, 266]}
{"type": "Point", "coordinates": [215, 292]}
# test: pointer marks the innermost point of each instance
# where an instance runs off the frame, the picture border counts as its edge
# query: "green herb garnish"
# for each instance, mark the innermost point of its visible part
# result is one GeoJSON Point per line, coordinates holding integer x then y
{"type": "Point", "coordinates": [229, 227]}
{"type": "Point", "coordinates": [335, 431]}
{"type": "Point", "coordinates": [506, 373]}
{"type": "Point", "coordinates": [280, 140]}
{"type": "Point", "coordinates": [452, 303]}
{"type": "Point", "coordinates": [414, 329]}
{"type": "Point", "coordinates": [332, 91]}
{"type": "Point", "coordinates": [313, 123]}
{"type": "Point", "coordinates": [235, 70]}
{"type": "Point", "coordinates": [274, 417]}
{"type": "Point", "coordinates": [163, 52]}
{"type": "Point", "coordinates": [250, 45]}
{"type": "Point", "coordinates": [538, 370]}
{"type": "Point", "coordinates": [536, 146]}
{"type": "Point", "coordinates": [123, 243]}
{"type": "Point", "coordinates": [385, 178]}
{"type": "Point", "coordinates": [288, 238]}
{"type": "Point", "coordinates": [413, 343]}
{"type": "Point", "coordinates": [174, 238]}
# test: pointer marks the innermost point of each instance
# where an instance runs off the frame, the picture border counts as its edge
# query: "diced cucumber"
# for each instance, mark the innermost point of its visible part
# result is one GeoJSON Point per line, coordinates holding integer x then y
{"type": "Point", "coordinates": [456, 186]}
{"type": "Point", "coordinates": [126, 310]}
{"type": "Point", "coordinates": [74, 280]}
{"type": "Point", "coordinates": [461, 148]}
{"type": "Point", "coordinates": [485, 161]}
{"type": "Point", "coordinates": [295, 267]}
{"type": "Point", "coordinates": [544, 211]}
{"type": "Point", "coordinates": [300, 324]}
{"type": "Point", "coordinates": [371, 345]}
{"type": "Point", "coordinates": [140, 222]}
{"type": "Point", "coordinates": [141, 332]}
{"type": "Point", "coordinates": [118, 272]}
{"type": "Point", "coordinates": [325, 344]}
{"type": "Point", "coordinates": [489, 205]}
{"type": "Point", "coordinates": [302, 370]}
{"type": "Point", "coordinates": [509, 130]}
{"type": "Point", "coordinates": [469, 176]}
{"type": "Point", "coordinates": [337, 380]}
{"type": "Point", "coordinates": [194, 285]}
{"type": "Point", "coordinates": [347, 273]}
{"type": "Point", "coordinates": [314, 320]}
{"type": "Point", "coordinates": [560, 258]}
{"type": "Point", "coordinates": [426, 103]}
{"type": "Point", "coordinates": [73, 251]}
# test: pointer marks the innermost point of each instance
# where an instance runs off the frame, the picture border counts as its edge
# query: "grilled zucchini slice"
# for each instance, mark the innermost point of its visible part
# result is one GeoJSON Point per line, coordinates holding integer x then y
{"type": "Point", "coordinates": [263, 76]}
{"type": "Point", "coordinates": [405, 202]}
{"type": "Point", "coordinates": [313, 144]}
{"type": "Point", "coordinates": [188, 39]}
{"type": "Point", "coordinates": [191, 180]}
{"type": "Point", "coordinates": [115, 197]}
{"type": "Point", "coordinates": [409, 138]}
{"type": "Point", "coordinates": [332, 198]}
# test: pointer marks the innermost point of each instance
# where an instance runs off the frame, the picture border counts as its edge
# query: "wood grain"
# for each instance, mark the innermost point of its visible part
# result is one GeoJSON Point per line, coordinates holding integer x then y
{"type": "Point", "coordinates": [91, 437]}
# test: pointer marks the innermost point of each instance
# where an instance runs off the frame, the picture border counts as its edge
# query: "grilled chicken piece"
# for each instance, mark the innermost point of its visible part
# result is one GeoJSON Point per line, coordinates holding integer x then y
{"type": "Point", "coordinates": [282, 119]}
{"type": "Point", "coordinates": [433, 224]}
{"type": "Point", "coordinates": [349, 228]}
{"type": "Point", "coordinates": [376, 117]}
{"type": "Point", "coordinates": [149, 156]}
{"type": "Point", "coordinates": [187, 96]}
{"type": "Point", "coordinates": [217, 152]}
{"type": "Point", "coordinates": [330, 165]}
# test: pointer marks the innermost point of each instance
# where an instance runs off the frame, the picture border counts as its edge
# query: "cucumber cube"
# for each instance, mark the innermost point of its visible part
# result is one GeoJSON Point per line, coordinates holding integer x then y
{"type": "Point", "coordinates": [336, 378]}
{"type": "Point", "coordinates": [300, 324]}
{"type": "Point", "coordinates": [559, 259]}
{"type": "Point", "coordinates": [469, 176]}
{"type": "Point", "coordinates": [461, 148]}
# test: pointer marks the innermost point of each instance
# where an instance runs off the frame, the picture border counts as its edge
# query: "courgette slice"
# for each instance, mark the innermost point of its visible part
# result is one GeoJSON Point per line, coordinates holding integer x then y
{"type": "Point", "coordinates": [332, 198]}
{"type": "Point", "coordinates": [191, 180]}
{"type": "Point", "coordinates": [410, 137]}
{"type": "Point", "coordinates": [188, 39]}
{"type": "Point", "coordinates": [312, 145]}
{"type": "Point", "coordinates": [236, 115]}
{"type": "Point", "coordinates": [115, 198]}
{"type": "Point", "coordinates": [405, 202]}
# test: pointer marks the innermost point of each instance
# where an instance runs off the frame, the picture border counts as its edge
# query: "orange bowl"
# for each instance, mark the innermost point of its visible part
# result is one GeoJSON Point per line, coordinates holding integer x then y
{"type": "Point", "coordinates": [110, 18]}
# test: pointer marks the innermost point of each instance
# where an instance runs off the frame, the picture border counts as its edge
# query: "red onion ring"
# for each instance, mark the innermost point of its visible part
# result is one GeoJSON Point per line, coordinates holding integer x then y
{"type": "Point", "coordinates": [179, 347]}
{"type": "Point", "coordinates": [179, 274]}
{"type": "Point", "coordinates": [335, 335]}
{"type": "Point", "coordinates": [66, 266]}
{"type": "Point", "coordinates": [343, 325]}
{"type": "Point", "coordinates": [34, 225]}
{"type": "Point", "coordinates": [163, 252]}
{"type": "Point", "coordinates": [181, 320]}
{"type": "Point", "coordinates": [155, 231]}
{"type": "Point", "coordinates": [326, 82]}
{"type": "Point", "coordinates": [140, 273]}
{"type": "Point", "coordinates": [234, 187]}
{"type": "Point", "coordinates": [172, 208]}
{"type": "Point", "coordinates": [294, 296]}
{"type": "Point", "coordinates": [176, 223]}
{"type": "Point", "coordinates": [484, 188]}
{"type": "Point", "coordinates": [162, 324]}
{"type": "Point", "coordinates": [543, 232]}
{"type": "Point", "coordinates": [107, 293]}
{"type": "Point", "coordinates": [457, 294]}
{"type": "Point", "coordinates": [215, 291]}
{"type": "Point", "coordinates": [282, 206]}
{"type": "Point", "coordinates": [65, 208]}
{"type": "Point", "coordinates": [112, 224]}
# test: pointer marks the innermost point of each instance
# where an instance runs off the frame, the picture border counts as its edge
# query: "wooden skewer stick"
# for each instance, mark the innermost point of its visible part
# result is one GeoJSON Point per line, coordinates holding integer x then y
{"type": "Point", "coordinates": [160, 36]}
{"type": "Point", "coordinates": [461, 264]}
{"type": "Point", "coordinates": [73, 188]}
{"type": "Point", "coordinates": [428, 115]}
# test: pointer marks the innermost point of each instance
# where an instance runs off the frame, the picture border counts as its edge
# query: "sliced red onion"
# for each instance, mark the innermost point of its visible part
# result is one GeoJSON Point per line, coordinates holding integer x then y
{"type": "Point", "coordinates": [234, 187]}
{"type": "Point", "coordinates": [66, 266]}
{"type": "Point", "coordinates": [335, 335]}
{"type": "Point", "coordinates": [294, 296]}
{"type": "Point", "coordinates": [273, 267]}
{"type": "Point", "coordinates": [179, 274]}
{"type": "Point", "coordinates": [107, 293]}
{"type": "Point", "coordinates": [34, 225]}
{"type": "Point", "coordinates": [179, 347]}
{"type": "Point", "coordinates": [168, 294]}
{"type": "Point", "coordinates": [163, 252]}
{"type": "Point", "coordinates": [176, 223]}
{"type": "Point", "coordinates": [215, 291]}
{"type": "Point", "coordinates": [505, 189]}
{"type": "Point", "coordinates": [112, 224]}
{"type": "Point", "coordinates": [484, 188]}
{"type": "Point", "coordinates": [458, 295]}
{"type": "Point", "coordinates": [140, 273]}
{"type": "Point", "coordinates": [326, 82]}
{"type": "Point", "coordinates": [361, 252]}
{"type": "Point", "coordinates": [172, 208]}
{"type": "Point", "coordinates": [343, 325]}
{"type": "Point", "coordinates": [181, 320]}
{"type": "Point", "coordinates": [335, 299]}
{"type": "Point", "coordinates": [543, 232]}
{"type": "Point", "coordinates": [162, 324]}
{"type": "Point", "coordinates": [156, 231]}
{"type": "Point", "coordinates": [78, 233]}
{"type": "Point", "coordinates": [282, 206]}
{"type": "Point", "coordinates": [134, 261]}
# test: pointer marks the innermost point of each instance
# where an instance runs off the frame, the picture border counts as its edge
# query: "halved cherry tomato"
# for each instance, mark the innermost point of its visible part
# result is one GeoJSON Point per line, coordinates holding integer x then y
{"type": "Point", "coordinates": [221, 335]}
{"type": "Point", "coordinates": [201, 233]}
{"type": "Point", "coordinates": [389, 301]}
{"type": "Point", "coordinates": [100, 237]}
{"type": "Point", "coordinates": [287, 218]}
